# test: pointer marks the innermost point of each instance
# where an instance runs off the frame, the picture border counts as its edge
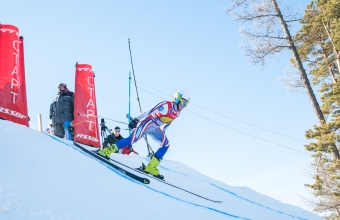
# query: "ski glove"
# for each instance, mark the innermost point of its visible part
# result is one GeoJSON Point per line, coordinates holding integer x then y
{"type": "Point", "coordinates": [133, 123]}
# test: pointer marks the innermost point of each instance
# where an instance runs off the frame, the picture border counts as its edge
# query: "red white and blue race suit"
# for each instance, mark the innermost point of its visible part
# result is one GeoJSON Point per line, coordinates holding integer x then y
{"type": "Point", "coordinates": [153, 122]}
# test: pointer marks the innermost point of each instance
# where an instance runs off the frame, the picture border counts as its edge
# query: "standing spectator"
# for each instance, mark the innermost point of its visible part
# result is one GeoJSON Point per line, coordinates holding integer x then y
{"type": "Point", "coordinates": [61, 112]}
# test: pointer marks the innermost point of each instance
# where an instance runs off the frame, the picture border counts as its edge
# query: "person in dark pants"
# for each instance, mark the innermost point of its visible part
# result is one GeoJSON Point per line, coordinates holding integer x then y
{"type": "Point", "coordinates": [62, 112]}
{"type": "Point", "coordinates": [116, 136]}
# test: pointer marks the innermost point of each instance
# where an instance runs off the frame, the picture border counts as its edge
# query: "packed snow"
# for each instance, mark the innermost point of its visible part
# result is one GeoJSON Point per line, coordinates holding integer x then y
{"type": "Point", "coordinates": [44, 177]}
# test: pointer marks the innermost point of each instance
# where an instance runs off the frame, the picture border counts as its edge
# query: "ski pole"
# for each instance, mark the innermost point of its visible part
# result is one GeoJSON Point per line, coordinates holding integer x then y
{"type": "Point", "coordinates": [140, 108]}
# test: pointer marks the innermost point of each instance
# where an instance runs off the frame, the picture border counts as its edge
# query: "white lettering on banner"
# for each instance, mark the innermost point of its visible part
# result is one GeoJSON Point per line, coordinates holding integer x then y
{"type": "Point", "coordinates": [14, 83]}
{"type": "Point", "coordinates": [87, 137]}
{"type": "Point", "coordinates": [84, 69]}
{"type": "Point", "coordinates": [14, 95]}
{"type": "Point", "coordinates": [90, 81]}
{"type": "Point", "coordinates": [91, 91]}
{"type": "Point", "coordinates": [15, 79]}
{"type": "Point", "coordinates": [4, 30]}
{"type": "Point", "coordinates": [90, 124]}
{"type": "Point", "coordinates": [89, 113]}
{"type": "Point", "coordinates": [16, 56]}
{"type": "Point", "coordinates": [16, 46]}
{"type": "Point", "coordinates": [11, 112]}
{"type": "Point", "coordinates": [90, 103]}
{"type": "Point", "coordinates": [90, 107]}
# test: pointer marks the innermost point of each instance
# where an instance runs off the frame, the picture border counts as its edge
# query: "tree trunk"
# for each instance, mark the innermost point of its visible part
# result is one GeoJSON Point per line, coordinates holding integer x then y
{"type": "Point", "coordinates": [303, 74]}
{"type": "Point", "coordinates": [329, 66]}
{"type": "Point", "coordinates": [336, 52]}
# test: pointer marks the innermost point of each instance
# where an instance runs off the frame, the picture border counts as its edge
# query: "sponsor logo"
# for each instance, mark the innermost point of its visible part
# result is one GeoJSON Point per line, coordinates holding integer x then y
{"type": "Point", "coordinates": [11, 112]}
{"type": "Point", "coordinates": [11, 31]}
{"type": "Point", "coordinates": [160, 108]}
{"type": "Point", "coordinates": [87, 137]}
{"type": "Point", "coordinates": [122, 171]}
{"type": "Point", "coordinates": [84, 69]}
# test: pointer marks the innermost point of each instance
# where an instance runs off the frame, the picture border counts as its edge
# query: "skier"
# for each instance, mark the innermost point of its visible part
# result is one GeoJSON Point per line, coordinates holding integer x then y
{"type": "Point", "coordinates": [153, 122]}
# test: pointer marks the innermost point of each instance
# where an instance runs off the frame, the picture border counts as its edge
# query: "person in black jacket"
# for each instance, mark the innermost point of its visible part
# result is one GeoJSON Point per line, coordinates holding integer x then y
{"type": "Point", "coordinates": [62, 112]}
{"type": "Point", "coordinates": [116, 136]}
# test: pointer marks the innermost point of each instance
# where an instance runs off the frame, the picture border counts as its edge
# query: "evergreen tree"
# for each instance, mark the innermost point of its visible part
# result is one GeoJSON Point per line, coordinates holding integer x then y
{"type": "Point", "coordinates": [270, 36]}
{"type": "Point", "coordinates": [318, 45]}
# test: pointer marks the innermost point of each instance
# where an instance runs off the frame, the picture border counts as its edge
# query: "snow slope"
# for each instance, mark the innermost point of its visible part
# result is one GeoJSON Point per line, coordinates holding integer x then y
{"type": "Point", "coordinates": [44, 177]}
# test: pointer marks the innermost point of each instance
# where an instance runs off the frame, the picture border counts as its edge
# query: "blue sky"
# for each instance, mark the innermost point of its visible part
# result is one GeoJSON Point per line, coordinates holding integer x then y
{"type": "Point", "coordinates": [175, 45]}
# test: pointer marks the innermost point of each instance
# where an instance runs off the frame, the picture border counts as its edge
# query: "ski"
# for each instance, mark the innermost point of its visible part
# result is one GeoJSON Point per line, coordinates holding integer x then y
{"type": "Point", "coordinates": [112, 165]}
{"type": "Point", "coordinates": [141, 170]}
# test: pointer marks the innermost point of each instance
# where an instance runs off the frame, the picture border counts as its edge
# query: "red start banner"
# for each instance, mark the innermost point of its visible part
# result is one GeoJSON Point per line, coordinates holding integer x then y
{"type": "Point", "coordinates": [86, 126]}
{"type": "Point", "coordinates": [13, 102]}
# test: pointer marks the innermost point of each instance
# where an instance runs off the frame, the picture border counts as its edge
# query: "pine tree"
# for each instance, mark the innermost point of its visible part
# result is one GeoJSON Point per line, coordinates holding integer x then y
{"type": "Point", "coordinates": [270, 36]}
{"type": "Point", "coordinates": [318, 45]}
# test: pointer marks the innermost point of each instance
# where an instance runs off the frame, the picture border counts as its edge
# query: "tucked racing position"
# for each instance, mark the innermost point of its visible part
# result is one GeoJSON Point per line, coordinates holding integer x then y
{"type": "Point", "coordinates": [154, 123]}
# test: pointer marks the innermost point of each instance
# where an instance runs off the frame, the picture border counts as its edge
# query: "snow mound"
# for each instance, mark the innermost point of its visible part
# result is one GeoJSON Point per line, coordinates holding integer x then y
{"type": "Point", "coordinates": [44, 177]}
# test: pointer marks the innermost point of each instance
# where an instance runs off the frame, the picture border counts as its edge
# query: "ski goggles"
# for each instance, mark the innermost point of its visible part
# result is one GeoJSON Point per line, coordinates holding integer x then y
{"type": "Point", "coordinates": [184, 102]}
{"type": "Point", "coordinates": [118, 130]}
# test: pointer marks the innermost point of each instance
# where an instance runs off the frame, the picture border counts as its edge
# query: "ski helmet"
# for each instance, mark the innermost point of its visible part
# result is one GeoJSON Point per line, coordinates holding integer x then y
{"type": "Point", "coordinates": [181, 97]}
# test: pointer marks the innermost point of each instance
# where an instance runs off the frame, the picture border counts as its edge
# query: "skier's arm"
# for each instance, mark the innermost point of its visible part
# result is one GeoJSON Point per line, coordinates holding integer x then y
{"type": "Point", "coordinates": [144, 114]}
{"type": "Point", "coordinates": [150, 110]}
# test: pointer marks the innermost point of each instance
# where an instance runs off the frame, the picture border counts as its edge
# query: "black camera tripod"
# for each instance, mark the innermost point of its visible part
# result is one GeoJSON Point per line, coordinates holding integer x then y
{"type": "Point", "coordinates": [105, 133]}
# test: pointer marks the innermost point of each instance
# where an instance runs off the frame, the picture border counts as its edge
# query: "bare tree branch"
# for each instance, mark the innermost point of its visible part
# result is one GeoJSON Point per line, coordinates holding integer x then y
{"type": "Point", "coordinates": [292, 81]}
{"type": "Point", "coordinates": [300, 19]}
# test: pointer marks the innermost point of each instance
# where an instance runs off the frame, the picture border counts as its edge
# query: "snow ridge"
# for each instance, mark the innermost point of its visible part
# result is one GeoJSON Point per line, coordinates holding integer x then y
{"type": "Point", "coordinates": [166, 194]}
{"type": "Point", "coordinates": [238, 196]}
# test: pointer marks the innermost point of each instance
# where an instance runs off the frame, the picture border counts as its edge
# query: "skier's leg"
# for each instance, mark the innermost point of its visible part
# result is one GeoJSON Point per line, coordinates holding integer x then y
{"type": "Point", "coordinates": [144, 127]}
{"type": "Point", "coordinates": [159, 136]}
{"type": "Point", "coordinates": [163, 149]}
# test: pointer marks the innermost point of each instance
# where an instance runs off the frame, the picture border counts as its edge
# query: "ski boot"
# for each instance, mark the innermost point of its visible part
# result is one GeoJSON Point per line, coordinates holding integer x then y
{"type": "Point", "coordinates": [152, 169]}
{"type": "Point", "coordinates": [108, 150]}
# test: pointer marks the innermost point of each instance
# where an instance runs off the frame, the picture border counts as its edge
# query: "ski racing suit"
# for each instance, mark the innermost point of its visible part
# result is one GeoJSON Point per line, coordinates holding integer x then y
{"type": "Point", "coordinates": [153, 122]}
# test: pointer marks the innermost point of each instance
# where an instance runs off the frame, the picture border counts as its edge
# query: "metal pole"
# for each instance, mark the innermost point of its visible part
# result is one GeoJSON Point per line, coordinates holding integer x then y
{"type": "Point", "coordinates": [40, 123]}
{"type": "Point", "coordinates": [129, 99]}
{"type": "Point", "coordinates": [134, 77]}
{"type": "Point", "coordinates": [131, 149]}
{"type": "Point", "coordinates": [140, 107]}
